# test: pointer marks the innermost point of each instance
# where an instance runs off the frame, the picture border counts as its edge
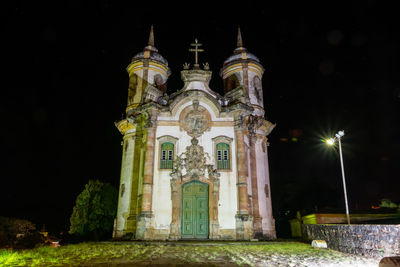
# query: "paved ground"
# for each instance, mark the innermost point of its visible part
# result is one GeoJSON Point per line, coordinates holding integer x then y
{"type": "Point", "coordinates": [245, 254]}
{"type": "Point", "coordinates": [287, 253]}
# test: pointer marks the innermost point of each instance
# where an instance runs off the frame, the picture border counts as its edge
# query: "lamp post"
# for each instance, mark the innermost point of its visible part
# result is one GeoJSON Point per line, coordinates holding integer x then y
{"type": "Point", "coordinates": [331, 141]}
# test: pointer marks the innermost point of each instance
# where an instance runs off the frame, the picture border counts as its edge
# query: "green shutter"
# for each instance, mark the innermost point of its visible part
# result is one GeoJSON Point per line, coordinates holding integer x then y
{"type": "Point", "coordinates": [223, 157]}
{"type": "Point", "coordinates": [167, 155]}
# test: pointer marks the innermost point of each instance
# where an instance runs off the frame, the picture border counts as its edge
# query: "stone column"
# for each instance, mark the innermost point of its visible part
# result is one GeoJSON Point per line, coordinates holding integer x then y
{"type": "Point", "coordinates": [257, 222]}
{"type": "Point", "coordinates": [145, 229]}
{"type": "Point", "coordinates": [243, 219]}
{"type": "Point", "coordinates": [214, 234]}
{"type": "Point", "coordinates": [242, 172]}
{"type": "Point", "coordinates": [175, 230]}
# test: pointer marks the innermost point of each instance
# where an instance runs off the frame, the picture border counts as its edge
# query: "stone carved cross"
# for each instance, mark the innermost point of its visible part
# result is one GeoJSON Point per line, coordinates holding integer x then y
{"type": "Point", "coordinates": [196, 51]}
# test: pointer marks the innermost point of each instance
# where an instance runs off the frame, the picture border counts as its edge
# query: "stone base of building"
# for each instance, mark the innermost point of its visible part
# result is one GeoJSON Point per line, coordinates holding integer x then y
{"type": "Point", "coordinates": [214, 234]}
{"type": "Point", "coordinates": [145, 227]}
{"type": "Point", "coordinates": [244, 231]}
{"type": "Point", "coordinates": [244, 227]}
{"type": "Point", "coordinates": [269, 235]}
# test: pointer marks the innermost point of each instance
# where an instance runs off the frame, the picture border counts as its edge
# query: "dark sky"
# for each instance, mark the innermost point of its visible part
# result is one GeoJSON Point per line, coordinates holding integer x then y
{"type": "Point", "coordinates": [329, 67]}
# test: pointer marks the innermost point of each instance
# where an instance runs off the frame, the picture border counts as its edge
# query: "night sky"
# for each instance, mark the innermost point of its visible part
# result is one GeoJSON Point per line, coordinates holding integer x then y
{"type": "Point", "coordinates": [327, 67]}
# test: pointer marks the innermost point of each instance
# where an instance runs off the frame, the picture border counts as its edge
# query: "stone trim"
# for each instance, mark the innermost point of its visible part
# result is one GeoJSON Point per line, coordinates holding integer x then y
{"type": "Point", "coordinates": [242, 172]}
{"type": "Point", "coordinates": [194, 162]}
{"type": "Point", "coordinates": [257, 222]}
{"type": "Point", "coordinates": [222, 139]}
{"type": "Point", "coordinates": [198, 114]}
{"type": "Point", "coordinates": [144, 229]}
{"type": "Point", "coordinates": [212, 123]}
{"type": "Point", "coordinates": [165, 139]}
{"type": "Point", "coordinates": [213, 198]}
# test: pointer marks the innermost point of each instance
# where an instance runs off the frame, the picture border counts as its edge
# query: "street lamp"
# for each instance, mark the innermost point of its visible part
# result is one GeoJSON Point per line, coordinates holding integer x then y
{"type": "Point", "coordinates": [331, 141]}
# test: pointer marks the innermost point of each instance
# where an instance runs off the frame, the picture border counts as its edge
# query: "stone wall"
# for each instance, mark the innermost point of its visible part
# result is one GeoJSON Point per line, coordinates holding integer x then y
{"type": "Point", "coordinates": [368, 240]}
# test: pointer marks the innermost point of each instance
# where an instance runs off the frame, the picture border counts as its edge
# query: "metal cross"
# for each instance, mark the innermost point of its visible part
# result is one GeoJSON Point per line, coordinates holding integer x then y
{"type": "Point", "coordinates": [196, 50]}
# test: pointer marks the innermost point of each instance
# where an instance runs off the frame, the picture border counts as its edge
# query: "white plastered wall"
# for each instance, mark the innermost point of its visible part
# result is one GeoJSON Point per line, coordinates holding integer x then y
{"type": "Point", "coordinates": [263, 179]}
{"type": "Point", "coordinates": [162, 203]}
{"type": "Point", "coordinates": [126, 180]}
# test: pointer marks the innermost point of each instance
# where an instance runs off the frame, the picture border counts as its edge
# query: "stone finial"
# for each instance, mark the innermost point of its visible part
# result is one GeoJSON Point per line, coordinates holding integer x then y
{"type": "Point", "coordinates": [151, 37]}
{"type": "Point", "coordinates": [239, 39]}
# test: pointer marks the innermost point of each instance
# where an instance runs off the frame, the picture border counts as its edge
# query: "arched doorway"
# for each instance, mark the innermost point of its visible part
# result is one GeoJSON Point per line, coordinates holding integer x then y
{"type": "Point", "coordinates": [194, 210]}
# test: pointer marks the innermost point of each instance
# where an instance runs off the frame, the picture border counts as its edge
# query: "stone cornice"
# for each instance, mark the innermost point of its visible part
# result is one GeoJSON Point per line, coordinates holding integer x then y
{"type": "Point", "coordinates": [177, 97]}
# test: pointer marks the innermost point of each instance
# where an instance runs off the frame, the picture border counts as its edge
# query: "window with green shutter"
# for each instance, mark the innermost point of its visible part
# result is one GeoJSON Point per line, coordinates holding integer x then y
{"type": "Point", "coordinates": [167, 155]}
{"type": "Point", "coordinates": [223, 161]}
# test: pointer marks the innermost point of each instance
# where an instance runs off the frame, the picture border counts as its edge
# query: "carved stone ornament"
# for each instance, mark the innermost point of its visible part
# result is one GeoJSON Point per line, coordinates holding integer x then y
{"type": "Point", "coordinates": [196, 121]}
{"type": "Point", "coordinates": [259, 123]}
{"type": "Point", "coordinates": [192, 164]}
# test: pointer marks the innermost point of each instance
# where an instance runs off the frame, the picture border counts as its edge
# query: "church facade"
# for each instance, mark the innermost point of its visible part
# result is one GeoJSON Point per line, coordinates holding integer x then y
{"type": "Point", "coordinates": [195, 163]}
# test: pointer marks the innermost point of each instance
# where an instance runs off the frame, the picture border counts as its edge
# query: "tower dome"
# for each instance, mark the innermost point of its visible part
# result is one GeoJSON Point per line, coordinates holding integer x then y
{"type": "Point", "coordinates": [150, 51]}
{"type": "Point", "coordinates": [240, 53]}
{"type": "Point", "coordinates": [148, 75]}
{"type": "Point", "coordinates": [243, 69]}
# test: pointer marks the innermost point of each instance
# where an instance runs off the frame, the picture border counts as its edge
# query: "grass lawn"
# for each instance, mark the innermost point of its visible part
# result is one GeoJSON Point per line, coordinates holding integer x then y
{"type": "Point", "coordinates": [181, 254]}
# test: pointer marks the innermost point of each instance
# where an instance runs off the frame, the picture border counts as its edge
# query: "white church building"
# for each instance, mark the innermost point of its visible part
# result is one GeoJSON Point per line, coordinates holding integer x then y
{"type": "Point", "coordinates": [195, 163]}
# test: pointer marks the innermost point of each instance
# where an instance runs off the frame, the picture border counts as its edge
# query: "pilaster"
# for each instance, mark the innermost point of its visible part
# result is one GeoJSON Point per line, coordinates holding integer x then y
{"type": "Point", "coordinates": [145, 220]}
{"type": "Point", "coordinates": [257, 223]}
{"type": "Point", "coordinates": [244, 221]}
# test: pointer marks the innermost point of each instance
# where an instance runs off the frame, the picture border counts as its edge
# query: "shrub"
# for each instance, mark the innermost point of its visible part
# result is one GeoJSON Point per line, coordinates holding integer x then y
{"type": "Point", "coordinates": [94, 211]}
{"type": "Point", "coordinates": [17, 233]}
{"type": "Point", "coordinates": [387, 203]}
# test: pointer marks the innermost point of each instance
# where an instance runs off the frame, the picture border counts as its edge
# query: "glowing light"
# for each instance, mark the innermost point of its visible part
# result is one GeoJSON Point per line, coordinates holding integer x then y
{"type": "Point", "coordinates": [330, 141]}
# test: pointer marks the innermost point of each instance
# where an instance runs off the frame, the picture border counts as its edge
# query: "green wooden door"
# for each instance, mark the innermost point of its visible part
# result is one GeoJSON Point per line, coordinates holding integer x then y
{"type": "Point", "coordinates": [195, 210]}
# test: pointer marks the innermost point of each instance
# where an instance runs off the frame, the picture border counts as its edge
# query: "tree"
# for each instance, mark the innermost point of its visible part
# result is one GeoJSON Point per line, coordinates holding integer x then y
{"type": "Point", "coordinates": [387, 203]}
{"type": "Point", "coordinates": [94, 211]}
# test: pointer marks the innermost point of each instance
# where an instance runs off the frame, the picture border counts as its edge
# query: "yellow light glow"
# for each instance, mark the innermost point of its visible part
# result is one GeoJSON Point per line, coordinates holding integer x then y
{"type": "Point", "coordinates": [330, 141]}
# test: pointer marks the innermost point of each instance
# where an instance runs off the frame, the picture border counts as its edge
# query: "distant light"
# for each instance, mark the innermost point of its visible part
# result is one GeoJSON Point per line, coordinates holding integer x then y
{"type": "Point", "coordinates": [283, 139]}
{"type": "Point", "coordinates": [330, 141]}
{"type": "Point", "coordinates": [294, 139]}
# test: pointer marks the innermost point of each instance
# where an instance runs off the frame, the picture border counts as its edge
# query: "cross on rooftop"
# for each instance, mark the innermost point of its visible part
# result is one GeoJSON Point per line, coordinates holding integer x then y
{"type": "Point", "coordinates": [196, 50]}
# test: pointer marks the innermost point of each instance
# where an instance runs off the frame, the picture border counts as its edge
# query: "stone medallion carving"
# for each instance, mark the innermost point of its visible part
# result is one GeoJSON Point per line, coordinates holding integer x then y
{"type": "Point", "coordinates": [195, 120]}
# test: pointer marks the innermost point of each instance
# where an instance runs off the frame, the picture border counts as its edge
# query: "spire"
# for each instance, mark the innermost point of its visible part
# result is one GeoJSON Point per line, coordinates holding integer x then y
{"type": "Point", "coordinates": [239, 49]}
{"type": "Point", "coordinates": [239, 39]}
{"type": "Point", "coordinates": [150, 45]}
{"type": "Point", "coordinates": [151, 37]}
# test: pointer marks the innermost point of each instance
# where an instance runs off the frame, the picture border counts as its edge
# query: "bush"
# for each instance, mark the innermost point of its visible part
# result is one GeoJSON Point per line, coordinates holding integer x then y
{"type": "Point", "coordinates": [387, 203]}
{"type": "Point", "coordinates": [17, 233]}
{"type": "Point", "coordinates": [94, 211]}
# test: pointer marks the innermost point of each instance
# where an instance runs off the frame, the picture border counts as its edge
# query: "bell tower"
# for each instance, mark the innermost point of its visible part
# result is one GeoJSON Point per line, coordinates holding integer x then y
{"type": "Point", "coordinates": [242, 74]}
{"type": "Point", "coordinates": [148, 75]}
{"type": "Point", "coordinates": [243, 69]}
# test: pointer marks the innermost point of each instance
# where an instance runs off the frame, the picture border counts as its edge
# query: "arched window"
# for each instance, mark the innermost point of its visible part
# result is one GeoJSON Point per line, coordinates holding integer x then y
{"type": "Point", "coordinates": [167, 155]}
{"type": "Point", "coordinates": [230, 83]}
{"type": "Point", "coordinates": [258, 89]}
{"type": "Point", "coordinates": [159, 84]}
{"type": "Point", "coordinates": [223, 160]}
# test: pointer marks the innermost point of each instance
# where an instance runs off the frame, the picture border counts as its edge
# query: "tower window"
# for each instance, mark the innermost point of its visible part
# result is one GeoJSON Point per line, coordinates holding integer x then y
{"type": "Point", "coordinates": [223, 161]}
{"type": "Point", "coordinates": [167, 155]}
